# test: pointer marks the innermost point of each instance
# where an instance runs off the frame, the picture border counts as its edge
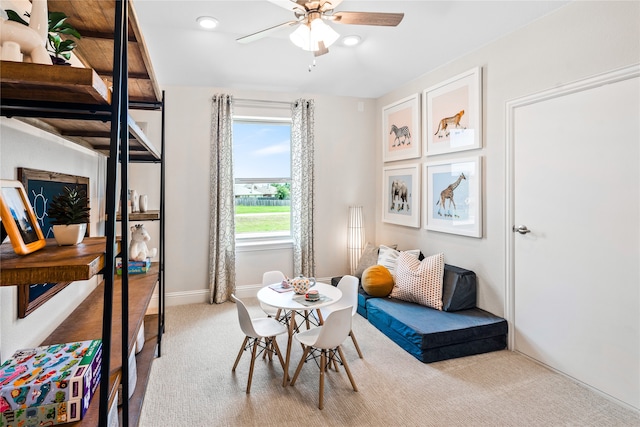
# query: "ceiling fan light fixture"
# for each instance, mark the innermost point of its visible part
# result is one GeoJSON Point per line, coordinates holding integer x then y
{"type": "Point", "coordinates": [323, 32]}
{"type": "Point", "coordinates": [301, 37]}
{"type": "Point", "coordinates": [207, 22]}
{"type": "Point", "coordinates": [352, 40]}
{"type": "Point", "coordinates": [308, 36]}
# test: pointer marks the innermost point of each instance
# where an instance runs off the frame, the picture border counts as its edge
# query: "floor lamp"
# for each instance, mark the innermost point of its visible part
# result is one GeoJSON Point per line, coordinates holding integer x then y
{"type": "Point", "coordinates": [355, 236]}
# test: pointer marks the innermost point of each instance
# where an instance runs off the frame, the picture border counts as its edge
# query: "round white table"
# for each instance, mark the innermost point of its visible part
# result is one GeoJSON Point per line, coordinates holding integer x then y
{"type": "Point", "coordinates": [292, 302]}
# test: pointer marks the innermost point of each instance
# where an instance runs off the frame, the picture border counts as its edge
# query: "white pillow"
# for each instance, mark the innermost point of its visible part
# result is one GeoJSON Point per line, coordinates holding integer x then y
{"type": "Point", "coordinates": [420, 281]}
{"type": "Point", "coordinates": [388, 257]}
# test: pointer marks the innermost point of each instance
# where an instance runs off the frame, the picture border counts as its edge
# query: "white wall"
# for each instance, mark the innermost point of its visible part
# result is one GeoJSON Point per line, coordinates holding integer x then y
{"type": "Point", "coordinates": [345, 151]}
{"type": "Point", "coordinates": [577, 41]}
{"type": "Point", "coordinates": [25, 146]}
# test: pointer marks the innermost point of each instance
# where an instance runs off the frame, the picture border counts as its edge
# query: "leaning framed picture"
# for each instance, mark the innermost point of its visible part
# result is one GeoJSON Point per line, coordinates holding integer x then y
{"type": "Point", "coordinates": [401, 198]}
{"type": "Point", "coordinates": [18, 219]}
{"type": "Point", "coordinates": [452, 112]}
{"type": "Point", "coordinates": [453, 196]}
{"type": "Point", "coordinates": [401, 129]}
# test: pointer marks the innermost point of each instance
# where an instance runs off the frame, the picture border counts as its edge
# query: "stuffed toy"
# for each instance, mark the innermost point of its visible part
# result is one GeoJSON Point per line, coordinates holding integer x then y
{"type": "Point", "coordinates": [138, 250]}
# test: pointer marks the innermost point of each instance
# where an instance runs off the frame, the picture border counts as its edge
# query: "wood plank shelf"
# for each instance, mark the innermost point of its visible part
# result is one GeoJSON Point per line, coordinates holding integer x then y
{"type": "Point", "coordinates": [85, 323]}
{"type": "Point", "coordinates": [28, 81]}
{"type": "Point", "coordinates": [152, 215]}
{"type": "Point", "coordinates": [53, 263]}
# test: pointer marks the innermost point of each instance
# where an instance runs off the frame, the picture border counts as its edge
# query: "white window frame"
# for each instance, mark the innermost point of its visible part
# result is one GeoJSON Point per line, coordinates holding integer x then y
{"type": "Point", "coordinates": [263, 241]}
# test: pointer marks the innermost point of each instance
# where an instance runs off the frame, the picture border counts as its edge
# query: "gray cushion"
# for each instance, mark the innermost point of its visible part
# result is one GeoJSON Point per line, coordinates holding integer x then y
{"type": "Point", "coordinates": [458, 288]}
{"type": "Point", "coordinates": [368, 258]}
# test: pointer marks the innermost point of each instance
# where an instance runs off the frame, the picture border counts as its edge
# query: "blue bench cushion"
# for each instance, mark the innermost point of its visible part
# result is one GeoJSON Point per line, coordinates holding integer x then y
{"type": "Point", "coordinates": [432, 335]}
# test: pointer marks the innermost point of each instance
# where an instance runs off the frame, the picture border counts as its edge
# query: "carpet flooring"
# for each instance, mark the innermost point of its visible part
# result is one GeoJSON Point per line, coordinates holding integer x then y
{"type": "Point", "coordinates": [192, 384]}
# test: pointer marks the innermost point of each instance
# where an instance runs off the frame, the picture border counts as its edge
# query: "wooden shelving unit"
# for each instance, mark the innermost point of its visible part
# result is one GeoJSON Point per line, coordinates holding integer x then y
{"type": "Point", "coordinates": [86, 323]}
{"type": "Point", "coordinates": [153, 215]}
{"type": "Point", "coordinates": [53, 263]}
{"type": "Point", "coordinates": [82, 105]}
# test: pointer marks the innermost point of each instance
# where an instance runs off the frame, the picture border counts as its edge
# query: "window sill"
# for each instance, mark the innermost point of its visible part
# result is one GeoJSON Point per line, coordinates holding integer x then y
{"type": "Point", "coordinates": [263, 245]}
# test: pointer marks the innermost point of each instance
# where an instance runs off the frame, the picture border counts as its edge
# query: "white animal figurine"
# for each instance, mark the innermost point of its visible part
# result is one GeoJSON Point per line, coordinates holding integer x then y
{"type": "Point", "coordinates": [138, 250]}
{"type": "Point", "coordinates": [31, 40]}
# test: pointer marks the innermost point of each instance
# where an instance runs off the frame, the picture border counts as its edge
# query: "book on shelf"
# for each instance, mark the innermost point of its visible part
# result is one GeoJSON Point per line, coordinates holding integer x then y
{"type": "Point", "coordinates": [135, 267]}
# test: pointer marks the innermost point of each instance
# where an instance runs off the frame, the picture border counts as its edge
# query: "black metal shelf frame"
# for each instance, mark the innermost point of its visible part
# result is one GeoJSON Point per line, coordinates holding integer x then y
{"type": "Point", "coordinates": [117, 114]}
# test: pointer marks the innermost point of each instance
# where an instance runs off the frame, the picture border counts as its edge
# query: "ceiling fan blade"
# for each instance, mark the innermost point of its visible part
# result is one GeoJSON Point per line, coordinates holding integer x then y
{"type": "Point", "coordinates": [260, 34]}
{"type": "Point", "coordinates": [291, 5]}
{"type": "Point", "coordinates": [367, 18]}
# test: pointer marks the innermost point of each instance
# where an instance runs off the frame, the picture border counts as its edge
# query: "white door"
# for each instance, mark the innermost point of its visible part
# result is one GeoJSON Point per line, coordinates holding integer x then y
{"type": "Point", "coordinates": [576, 274]}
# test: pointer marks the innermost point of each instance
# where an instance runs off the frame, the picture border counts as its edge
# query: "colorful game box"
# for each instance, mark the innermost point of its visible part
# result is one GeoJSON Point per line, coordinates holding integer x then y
{"type": "Point", "coordinates": [45, 377]}
{"type": "Point", "coordinates": [45, 415]}
{"type": "Point", "coordinates": [135, 267]}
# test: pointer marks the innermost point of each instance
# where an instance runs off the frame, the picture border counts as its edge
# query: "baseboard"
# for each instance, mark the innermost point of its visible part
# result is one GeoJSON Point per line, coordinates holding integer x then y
{"type": "Point", "coordinates": [202, 296]}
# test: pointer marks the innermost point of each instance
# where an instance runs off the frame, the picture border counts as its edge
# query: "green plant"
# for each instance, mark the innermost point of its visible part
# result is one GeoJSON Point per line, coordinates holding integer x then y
{"type": "Point", "coordinates": [69, 207]}
{"type": "Point", "coordinates": [57, 25]}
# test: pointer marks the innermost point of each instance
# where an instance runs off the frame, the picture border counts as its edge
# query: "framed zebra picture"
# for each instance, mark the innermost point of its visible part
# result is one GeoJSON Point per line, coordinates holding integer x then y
{"type": "Point", "coordinates": [401, 198]}
{"type": "Point", "coordinates": [452, 113]}
{"type": "Point", "coordinates": [401, 130]}
{"type": "Point", "coordinates": [453, 196]}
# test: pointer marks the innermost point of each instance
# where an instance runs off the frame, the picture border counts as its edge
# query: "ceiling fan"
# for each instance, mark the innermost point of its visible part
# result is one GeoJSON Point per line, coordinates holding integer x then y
{"type": "Point", "coordinates": [313, 34]}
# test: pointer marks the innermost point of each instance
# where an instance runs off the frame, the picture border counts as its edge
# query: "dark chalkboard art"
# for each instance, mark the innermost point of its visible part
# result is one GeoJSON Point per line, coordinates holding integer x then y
{"type": "Point", "coordinates": [41, 186]}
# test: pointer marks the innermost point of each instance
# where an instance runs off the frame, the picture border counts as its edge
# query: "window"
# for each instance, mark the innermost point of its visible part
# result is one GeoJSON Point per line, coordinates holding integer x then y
{"type": "Point", "coordinates": [262, 177]}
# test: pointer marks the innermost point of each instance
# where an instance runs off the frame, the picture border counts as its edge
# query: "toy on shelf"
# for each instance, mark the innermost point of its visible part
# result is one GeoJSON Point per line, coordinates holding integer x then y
{"type": "Point", "coordinates": [138, 250]}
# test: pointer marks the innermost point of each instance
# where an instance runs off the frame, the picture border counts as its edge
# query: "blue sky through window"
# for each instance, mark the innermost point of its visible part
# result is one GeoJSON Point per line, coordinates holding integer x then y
{"type": "Point", "coordinates": [261, 150]}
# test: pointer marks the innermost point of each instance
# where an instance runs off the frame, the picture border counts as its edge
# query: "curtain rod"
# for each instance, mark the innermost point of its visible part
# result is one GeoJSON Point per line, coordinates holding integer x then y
{"type": "Point", "coordinates": [261, 101]}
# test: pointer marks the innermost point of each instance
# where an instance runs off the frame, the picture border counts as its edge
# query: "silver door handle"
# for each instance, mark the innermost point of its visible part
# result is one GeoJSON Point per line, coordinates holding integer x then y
{"type": "Point", "coordinates": [522, 229]}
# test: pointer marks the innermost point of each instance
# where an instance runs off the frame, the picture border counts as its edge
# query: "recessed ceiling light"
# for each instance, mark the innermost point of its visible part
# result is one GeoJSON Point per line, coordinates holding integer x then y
{"type": "Point", "coordinates": [351, 40]}
{"type": "Point", "coordinates": [207, 22]}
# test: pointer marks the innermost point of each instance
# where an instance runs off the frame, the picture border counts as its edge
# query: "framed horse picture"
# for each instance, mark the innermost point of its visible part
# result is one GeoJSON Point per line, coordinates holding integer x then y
{"type": "Point", "coordinates": [401, 198]}
{"type": "Point", "coordinates": [452, 113]}
{"type": "Point", "coordinates": [453, 196]}
{"type": "Point", "coordinates": [401, 129]}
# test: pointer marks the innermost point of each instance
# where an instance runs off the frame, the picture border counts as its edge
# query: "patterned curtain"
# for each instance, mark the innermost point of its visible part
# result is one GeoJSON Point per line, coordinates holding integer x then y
{"type": "Point", "coordinates": [302, 183]}
{"type": "Point", "coordinates": [222, 258]}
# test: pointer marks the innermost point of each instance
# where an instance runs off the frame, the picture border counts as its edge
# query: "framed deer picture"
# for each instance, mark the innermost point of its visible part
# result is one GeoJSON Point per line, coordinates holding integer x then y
{"type": "Point", "coordinates": [401, 198]}
{"type": "Point", "coordinates": [453, 199]}
{"type": "Point", "coordinates": [401, 129]}
{"type": "Point", "coordinates": [452, 113]}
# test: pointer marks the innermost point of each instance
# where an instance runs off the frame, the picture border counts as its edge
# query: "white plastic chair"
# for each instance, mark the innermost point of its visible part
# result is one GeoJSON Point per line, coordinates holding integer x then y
{"type": "Point", "coordinates": [326, 339]}
{"type": "Point", "coordinates": [269, 278]}
{"type": "Point", "coordinates": [348, 285]}
{"type": "Point", "coordinates": [257, 330]}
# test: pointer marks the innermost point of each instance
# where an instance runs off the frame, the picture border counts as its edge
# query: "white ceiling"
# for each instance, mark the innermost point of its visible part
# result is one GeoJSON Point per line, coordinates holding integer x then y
{"type": "Point", "coordinates": [432, 33]}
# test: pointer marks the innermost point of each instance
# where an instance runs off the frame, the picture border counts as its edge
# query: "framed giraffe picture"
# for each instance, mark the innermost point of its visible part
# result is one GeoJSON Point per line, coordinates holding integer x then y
{"type": "Point", "coordinates": [401, 129]}
{"type": "Point", "coordinates": [452, 113]}
{"type": "Point", "coordinates": [401, 198]}
{"type": "Point", "coordinates": [453, 196]}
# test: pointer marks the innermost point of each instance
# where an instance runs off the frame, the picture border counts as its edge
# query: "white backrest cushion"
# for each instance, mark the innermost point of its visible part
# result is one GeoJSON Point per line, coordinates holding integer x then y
{"type": "Point", "coordinates": [388, 257]}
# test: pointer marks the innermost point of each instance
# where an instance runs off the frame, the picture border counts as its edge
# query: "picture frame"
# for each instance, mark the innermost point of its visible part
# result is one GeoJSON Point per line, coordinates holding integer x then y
{"type": "Point", "coordinates": [401, 136]}
{"type": "Point", "coordinates": [18, 218]}
{"type": "Point", "coordinates": [41, 186]}
{"type": "Point", "coordinates": [401, 195]}
{"type": "Point", "coordinates": [452, 114]}
{"type": "Point", "coordinates": [453, 196]}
